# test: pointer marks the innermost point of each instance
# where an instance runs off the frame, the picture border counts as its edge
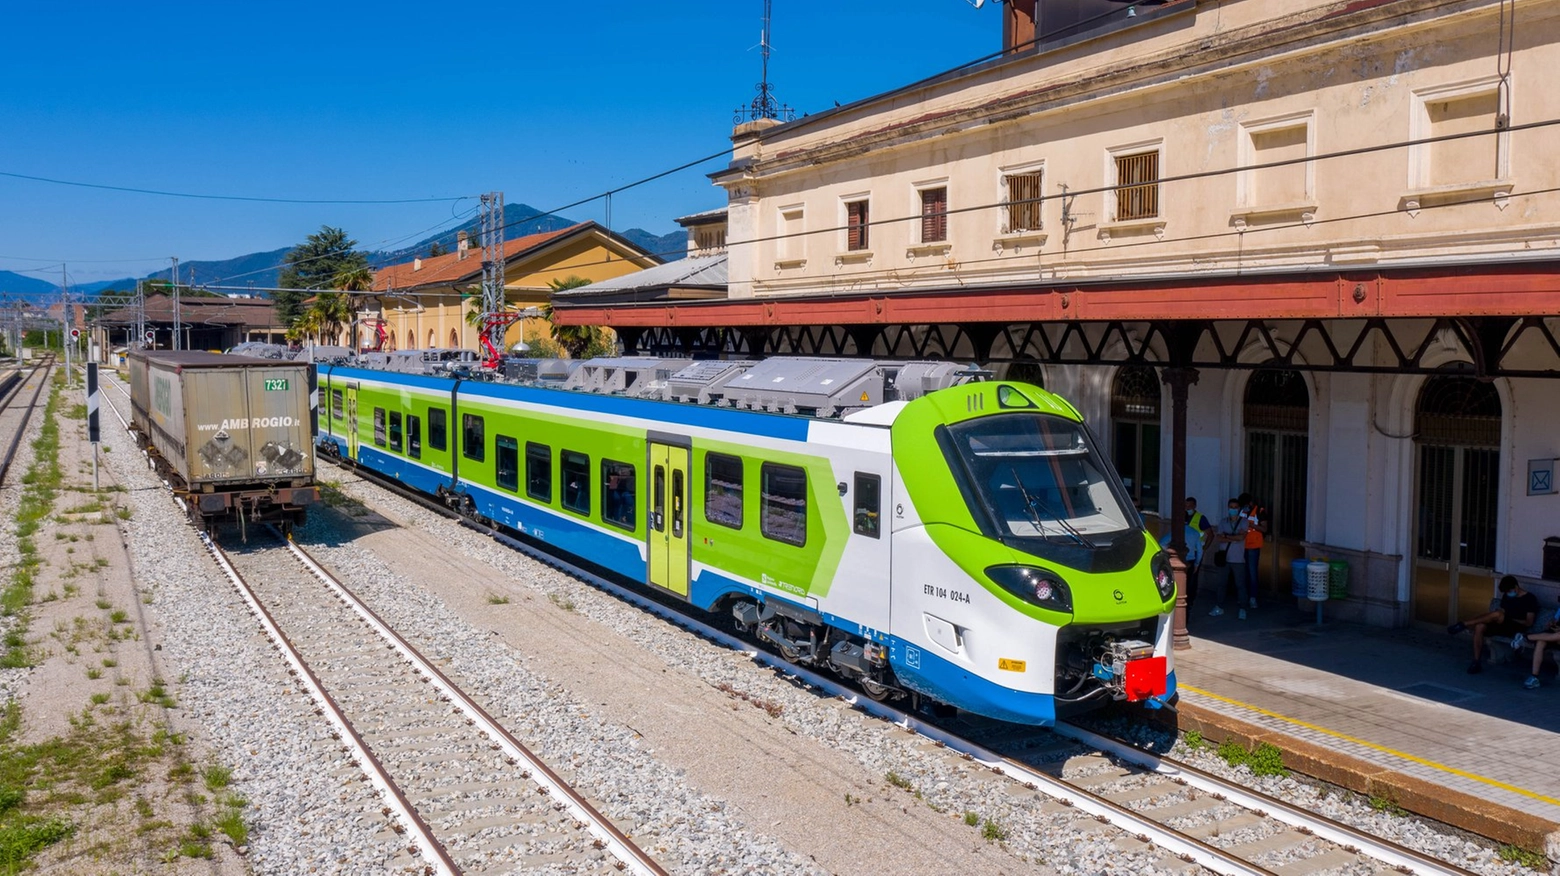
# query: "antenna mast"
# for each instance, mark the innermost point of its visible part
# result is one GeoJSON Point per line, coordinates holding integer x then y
{"type": "Point", "coordinates": [495, 316]}
{"type": "Point", "coordinates": [764, 105]}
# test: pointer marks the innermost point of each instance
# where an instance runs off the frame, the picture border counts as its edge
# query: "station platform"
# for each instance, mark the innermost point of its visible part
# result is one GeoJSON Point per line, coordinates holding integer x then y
{"type": "Point", "coordinates": [1389, 713]}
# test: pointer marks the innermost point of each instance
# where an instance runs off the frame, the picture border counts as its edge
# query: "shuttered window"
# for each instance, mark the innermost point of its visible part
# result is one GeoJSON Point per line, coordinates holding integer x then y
{"type": "Point", "coordinates": [856, 225]}
{"type": "Point", "coordinates": [1137, 186]}
{"type": "Point", "coordinates": [934, 215]}
{"type": "Point", "coordinates": [1023, 199]}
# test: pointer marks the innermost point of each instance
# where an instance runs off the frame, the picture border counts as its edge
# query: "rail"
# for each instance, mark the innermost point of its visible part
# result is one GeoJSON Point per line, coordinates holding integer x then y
{"type": "Point", "coordinates": [1187, 847]}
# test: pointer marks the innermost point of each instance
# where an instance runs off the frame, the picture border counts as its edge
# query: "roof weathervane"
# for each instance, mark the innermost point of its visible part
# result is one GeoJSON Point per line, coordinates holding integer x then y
{"type": "Point", "coordinates": [764, 105]}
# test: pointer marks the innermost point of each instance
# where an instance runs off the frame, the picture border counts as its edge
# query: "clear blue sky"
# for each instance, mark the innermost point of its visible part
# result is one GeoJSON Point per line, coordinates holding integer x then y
{"type": "Point", "coordinates": [546, 102]}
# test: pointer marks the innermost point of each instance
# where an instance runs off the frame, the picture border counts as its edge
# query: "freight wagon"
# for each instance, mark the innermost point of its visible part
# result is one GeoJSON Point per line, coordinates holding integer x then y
{"type": "Point", "coordinates": [232, 434]}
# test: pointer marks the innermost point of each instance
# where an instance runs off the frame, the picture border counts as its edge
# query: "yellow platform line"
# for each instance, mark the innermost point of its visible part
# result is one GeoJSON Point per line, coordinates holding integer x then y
{"type": "Point", "coordinates": [1368, 744]}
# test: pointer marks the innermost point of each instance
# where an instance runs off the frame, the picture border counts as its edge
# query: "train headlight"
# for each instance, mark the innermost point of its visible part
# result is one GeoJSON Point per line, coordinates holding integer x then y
{"type": "Point", "coordinates": [1164, 579]}
{"type": "Point", "coordinates": [1040, 587]}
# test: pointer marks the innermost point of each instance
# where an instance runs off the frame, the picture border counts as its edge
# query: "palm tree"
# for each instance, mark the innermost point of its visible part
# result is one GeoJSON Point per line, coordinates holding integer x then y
{"type": "Point", "coordinates": [576, 339]}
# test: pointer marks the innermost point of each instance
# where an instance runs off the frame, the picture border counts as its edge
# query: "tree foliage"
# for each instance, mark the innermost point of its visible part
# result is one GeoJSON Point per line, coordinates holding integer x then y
{"type": "Point", "coordinates": [315, 264]}
{"type": "Point", "coordinates": [579, 341]}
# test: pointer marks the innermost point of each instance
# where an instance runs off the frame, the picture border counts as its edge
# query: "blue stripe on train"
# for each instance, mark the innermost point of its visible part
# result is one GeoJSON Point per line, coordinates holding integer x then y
{"type": "Point", "coordinates": [621, 555]}
{"type": "Point", "coordinates": [418, 477]}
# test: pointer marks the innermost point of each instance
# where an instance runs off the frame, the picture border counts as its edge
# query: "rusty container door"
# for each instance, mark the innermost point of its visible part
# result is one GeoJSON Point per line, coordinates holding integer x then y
{"type": "Point", "coordinates": [217, 405]}
{"type": "Point", "coordinates": [279, 421]}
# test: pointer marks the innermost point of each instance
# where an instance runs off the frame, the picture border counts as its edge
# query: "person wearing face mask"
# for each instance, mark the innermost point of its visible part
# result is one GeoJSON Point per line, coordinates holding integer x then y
{"type": "Point", "coordinates": [1199, 531]}
{"type": "Point", "coordinates": [1256, 526]}
{"type": "Point", "coordinates": [1231, 541]}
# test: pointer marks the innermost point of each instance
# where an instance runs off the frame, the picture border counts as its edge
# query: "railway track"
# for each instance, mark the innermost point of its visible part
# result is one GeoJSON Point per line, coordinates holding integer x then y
{"type": "Point", "coordinates": [468, 794]}
{"type": "Point", "coordinates": [17, 415]}
{"type": "Point", "coordinates": [1197, 819]}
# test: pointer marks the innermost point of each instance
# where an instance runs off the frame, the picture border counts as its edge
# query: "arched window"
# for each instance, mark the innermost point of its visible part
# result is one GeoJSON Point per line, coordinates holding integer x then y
{"type": "Point", "coordinates": [1277, 416]}
{"type": "Point", "coordinates": [432, 339]}
{"type": "Point", "coordinates": [454, 340]}
{"type": "Point", "coordinates": [1457, 439]}
{"type": "Point", "coordinates": [1134, 415]}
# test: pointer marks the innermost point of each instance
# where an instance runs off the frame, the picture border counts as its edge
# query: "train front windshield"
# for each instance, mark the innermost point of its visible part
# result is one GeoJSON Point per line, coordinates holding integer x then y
{"type": "Point", "coordinates": [1038, 480]}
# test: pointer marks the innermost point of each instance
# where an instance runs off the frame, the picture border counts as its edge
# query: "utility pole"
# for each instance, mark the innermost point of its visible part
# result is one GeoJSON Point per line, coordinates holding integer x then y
{"type": "Point", "coordinates": [177, 328]}
{"type": "Point", "coordinates": [495, 320]}
{"type": "Point", "coordinates": [140, 317]}
{"type": "Point", "coordinates": [65, 321]}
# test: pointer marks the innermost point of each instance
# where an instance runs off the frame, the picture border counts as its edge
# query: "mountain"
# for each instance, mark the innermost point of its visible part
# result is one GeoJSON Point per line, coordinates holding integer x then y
{"type": "Point", "coordinates": [28, 287]}
{"type": "Point", "coordinates": [519, 220]}
{"type": "Point", "coordinates": [667, 247]}
{"type": "Point", "coordinates": [263, 269]}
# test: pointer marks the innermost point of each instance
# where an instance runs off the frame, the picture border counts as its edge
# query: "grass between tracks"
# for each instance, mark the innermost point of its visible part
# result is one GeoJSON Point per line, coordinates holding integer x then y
{"type": "Point", "coordinates": [117, 787]}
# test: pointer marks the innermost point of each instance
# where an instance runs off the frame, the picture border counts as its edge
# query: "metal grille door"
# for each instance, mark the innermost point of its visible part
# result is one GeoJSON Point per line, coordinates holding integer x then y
{"type": "Point", "coordinates": [1456, 498]}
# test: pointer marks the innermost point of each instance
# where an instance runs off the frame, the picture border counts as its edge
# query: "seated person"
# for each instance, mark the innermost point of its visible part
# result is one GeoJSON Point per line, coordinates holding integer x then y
{"type": "Point", "coordinates": [1514, 615]}
{"type": "Point", "coordinates": [1550, 634]}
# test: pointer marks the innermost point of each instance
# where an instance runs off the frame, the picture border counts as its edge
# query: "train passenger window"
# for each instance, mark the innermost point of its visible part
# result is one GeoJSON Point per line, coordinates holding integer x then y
{"type": "Point", "coordinates": [472, 442]}
{"type": "Point", "coordinates": [723, 490]}
{"type": "Point", "coordinates": [395, 431]}
{"type": "Point", "coordinates": [619, 498]}
{"type": "Point", "coordinates": [413, 436]}
{"type": "Point", "coordinates": [438, 431]}
{"type": "Point", "coordinates": [379, 426]}
{"type": "Point", "coordinates": [783, 503]}
{"type": "Point", "coordinates": [335, 404]}
{"type": "Point", "coordinates": [507, 460]}
{"type": "Point", "coordinates": [538, 471]}
{"type": "Point", "coordinates": [574, 468]}
{"type": "Point", "coordinates": [869, 500]}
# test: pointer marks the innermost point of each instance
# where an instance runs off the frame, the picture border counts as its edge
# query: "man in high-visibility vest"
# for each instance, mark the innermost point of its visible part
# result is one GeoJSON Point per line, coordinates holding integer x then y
{"type": "Point", "coordinates": [1198, 532]}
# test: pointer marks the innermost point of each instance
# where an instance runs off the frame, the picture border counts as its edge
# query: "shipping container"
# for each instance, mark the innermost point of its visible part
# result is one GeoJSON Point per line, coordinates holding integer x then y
{"type": "Point", "coordinates": [233, 431]}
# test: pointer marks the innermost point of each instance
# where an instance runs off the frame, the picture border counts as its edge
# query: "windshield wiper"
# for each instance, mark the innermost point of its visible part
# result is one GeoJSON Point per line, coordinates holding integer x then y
{"type": "Point", "coordinates": [1034, 505]}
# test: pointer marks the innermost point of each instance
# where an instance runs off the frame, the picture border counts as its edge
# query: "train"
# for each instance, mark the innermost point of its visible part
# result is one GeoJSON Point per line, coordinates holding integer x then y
{"type": "Point", "coordinates": [233, 435]}
{"type": "Point", "coordinates": [915, 527]}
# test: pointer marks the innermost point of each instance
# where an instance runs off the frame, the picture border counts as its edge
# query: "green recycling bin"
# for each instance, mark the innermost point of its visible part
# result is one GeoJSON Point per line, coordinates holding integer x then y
{"type": "Point", "coordinates": [1338, 579]}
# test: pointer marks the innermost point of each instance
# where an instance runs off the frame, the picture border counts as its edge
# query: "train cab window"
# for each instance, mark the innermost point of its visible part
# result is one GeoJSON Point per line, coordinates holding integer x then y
{"type": "Point", "coordinates": [507, 461]}
{"type": "Point", "coordinates": [869, 499]}
{"type": "Point", "coordinates": [723, 490]}
{"type": "Point", "coordinates": [574, 468]}
{"type": "Point", "coordinates": [379, 426]}
{"type": "Point", "coordinates": [471, 437]}
{"type": "Point", "coordinates": [783, 503]}
{"type": "Point", "coordinates": [438, 430]}
{"type": "Point", "coordinates": [335, 404]}
{"type": "Point", "coordinates": [538, 471]}
{"type": "Point", "coordinates": [413, 436]}
{"type": "Point", "coordinates": [395, 431]}
{"type": "Point", "coordinates": [619, 499]}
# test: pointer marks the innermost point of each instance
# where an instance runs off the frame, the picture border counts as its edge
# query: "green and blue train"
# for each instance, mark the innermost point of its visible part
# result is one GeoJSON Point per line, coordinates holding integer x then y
{"type": "Point", "coordinates": [968, 545]}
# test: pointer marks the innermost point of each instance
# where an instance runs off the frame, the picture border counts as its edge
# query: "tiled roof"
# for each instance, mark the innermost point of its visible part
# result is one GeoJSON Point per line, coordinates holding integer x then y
{"type": "Point", "coordinates": [247, 312]}
{"type": "Point", "coordinates": [707, 217]}
{"type": "Point", "coordinates": [451, 268]}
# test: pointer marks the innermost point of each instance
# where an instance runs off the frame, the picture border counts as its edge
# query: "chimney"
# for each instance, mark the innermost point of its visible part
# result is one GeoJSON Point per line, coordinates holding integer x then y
{"type": "Point", "coordinates": [416, 265]}
{"type": "Point", "coordinates": [1018, 25]}
{"type": "Point", "coordinates": [462, 244]}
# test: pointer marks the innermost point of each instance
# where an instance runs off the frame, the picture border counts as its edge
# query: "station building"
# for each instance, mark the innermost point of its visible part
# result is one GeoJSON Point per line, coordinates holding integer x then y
{"type": "Point", "coordinates": [427, 303]}
{"type": "Point", "coordinates": [1327, 234]}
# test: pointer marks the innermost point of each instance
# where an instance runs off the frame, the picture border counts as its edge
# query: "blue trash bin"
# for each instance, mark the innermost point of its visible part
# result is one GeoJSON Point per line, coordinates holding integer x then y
{"type": "Point", "coordinates": [1298, 573]}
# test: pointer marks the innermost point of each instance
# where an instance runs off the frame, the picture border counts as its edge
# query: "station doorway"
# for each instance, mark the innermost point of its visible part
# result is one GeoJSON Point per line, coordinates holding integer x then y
{"type": "Point", "coordinates": [1277, 416]}
{"type": "Point", "coordinates": [1457, 444]}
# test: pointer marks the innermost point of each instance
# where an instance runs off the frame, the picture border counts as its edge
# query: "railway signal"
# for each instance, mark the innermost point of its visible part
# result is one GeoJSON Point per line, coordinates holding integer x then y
{"type": "Point", "coordinates": [92, 414]}
{"type": "Point", "coordinates": [75, 334]}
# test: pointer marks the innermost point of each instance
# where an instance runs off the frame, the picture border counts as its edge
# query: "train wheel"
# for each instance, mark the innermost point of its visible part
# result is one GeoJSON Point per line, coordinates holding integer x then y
{"type": "Point", "coordinates": [874, 690]}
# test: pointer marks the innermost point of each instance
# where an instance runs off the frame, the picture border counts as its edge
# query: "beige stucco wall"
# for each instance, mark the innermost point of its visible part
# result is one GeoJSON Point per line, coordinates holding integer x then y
{"type": "Point", "coordinates": [1197, 87]}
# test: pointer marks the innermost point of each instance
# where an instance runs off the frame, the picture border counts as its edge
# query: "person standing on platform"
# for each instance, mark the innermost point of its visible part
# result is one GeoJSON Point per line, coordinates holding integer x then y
{"type": "Point", "coordinates": [1198, 532]}
{"type": "Point", "coordinates": [1231, 541]}
{"type": "Point", "coordinates": [1256, 526]}
{"type": "Point", "coordinates": [1514, 615]}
